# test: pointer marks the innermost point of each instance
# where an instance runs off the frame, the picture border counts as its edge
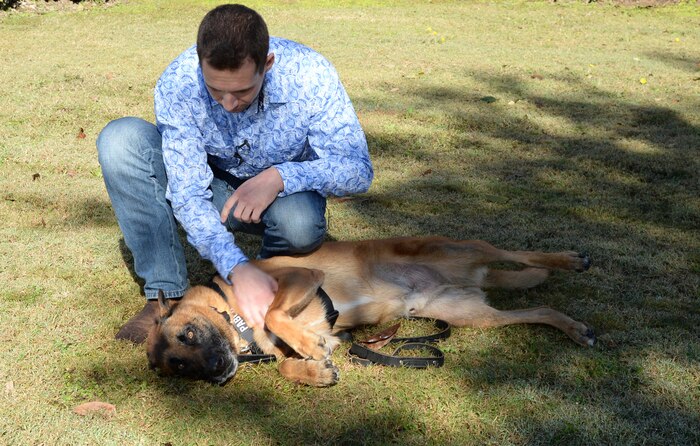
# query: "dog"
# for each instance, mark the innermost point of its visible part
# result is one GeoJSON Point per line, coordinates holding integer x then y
{"type": "Point", "coordinates": [369, 282]}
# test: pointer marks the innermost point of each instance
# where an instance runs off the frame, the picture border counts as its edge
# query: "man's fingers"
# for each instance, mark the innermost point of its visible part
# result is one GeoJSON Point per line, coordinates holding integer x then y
{"type": "Point", "coordinates": [242, 213]}
{"type": "Point", "coordinates": [261, 317]}
{"type": "Point", "coordinates": [255, 215]}
{"type": "Point", "coordinates": [230, 203]}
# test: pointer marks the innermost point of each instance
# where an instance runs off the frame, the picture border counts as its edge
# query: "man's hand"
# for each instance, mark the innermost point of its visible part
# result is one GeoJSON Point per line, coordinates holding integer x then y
{"type": "Point", "coordinates": [254, 290]}
{"type": "Point", "coordinates": [254, 196]}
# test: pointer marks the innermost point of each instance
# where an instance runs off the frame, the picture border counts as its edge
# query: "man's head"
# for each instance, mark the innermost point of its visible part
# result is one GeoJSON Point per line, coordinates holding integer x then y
{"type": "Point", "coordinates": [232, 45]}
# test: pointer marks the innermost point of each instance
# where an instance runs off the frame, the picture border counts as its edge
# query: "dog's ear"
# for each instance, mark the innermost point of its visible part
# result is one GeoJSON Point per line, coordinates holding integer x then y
{"type": "Point", "coordinates": [166, 305]}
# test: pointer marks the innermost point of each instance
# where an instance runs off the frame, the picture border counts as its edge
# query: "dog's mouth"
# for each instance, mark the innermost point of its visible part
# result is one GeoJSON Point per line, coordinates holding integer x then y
{"type": "Point", "coordinates": [228, 373]}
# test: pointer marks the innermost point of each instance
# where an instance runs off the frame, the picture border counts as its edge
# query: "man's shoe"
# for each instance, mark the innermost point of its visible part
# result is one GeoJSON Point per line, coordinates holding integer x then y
{"type": "Point", "coordinates": [136, 329]}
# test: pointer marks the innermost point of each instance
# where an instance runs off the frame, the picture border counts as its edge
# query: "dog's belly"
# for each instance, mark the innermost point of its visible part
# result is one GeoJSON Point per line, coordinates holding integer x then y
{"type": "Point", "coordinates": [370, 310]}
{"type": "Point", "coordinates": [347, 307]}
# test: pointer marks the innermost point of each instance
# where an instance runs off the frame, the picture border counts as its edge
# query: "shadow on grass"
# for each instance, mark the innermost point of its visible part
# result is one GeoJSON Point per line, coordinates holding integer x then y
{"type": "Point", "coordinates": [621, 183]}
{"type": "Point", "coordinates": [682, 62]}
{"type": "Point", "coordinates": [579, 396]}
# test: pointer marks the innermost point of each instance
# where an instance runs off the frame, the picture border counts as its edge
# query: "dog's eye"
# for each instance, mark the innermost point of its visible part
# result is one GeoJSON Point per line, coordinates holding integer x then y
{"type": "Point", "coordinates": [188, 336]}
{"type": "Point", "coordinates": [178, 364]}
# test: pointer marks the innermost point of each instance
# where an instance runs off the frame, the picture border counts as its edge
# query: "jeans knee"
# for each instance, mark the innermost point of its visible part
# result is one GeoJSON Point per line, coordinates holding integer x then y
{"type": "Point", "coordinates": [297, 233]}
{"type": "Point", "coordinates": [124, 140]}
{"type": "Point", "coordinates": [303, 241]}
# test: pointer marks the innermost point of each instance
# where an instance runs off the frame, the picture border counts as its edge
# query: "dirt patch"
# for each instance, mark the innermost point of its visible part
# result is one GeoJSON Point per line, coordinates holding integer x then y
{"type": "Point", "coordinates": [644, 3]}
{"type": "Point", "coordinates": [41, 7]}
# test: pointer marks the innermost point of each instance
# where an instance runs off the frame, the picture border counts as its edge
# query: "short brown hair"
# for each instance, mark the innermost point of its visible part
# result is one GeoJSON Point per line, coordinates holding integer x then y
{"type": "Point", "coordinates": [230, 34]}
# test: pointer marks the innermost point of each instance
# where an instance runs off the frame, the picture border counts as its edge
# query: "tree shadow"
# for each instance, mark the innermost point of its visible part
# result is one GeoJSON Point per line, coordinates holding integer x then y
{"type": "Point", "coordinates": [678, 61]}
{"type": "Point", "coordinates": [586, 187]}
{"type": "Point", "coordinates": [621, 182]}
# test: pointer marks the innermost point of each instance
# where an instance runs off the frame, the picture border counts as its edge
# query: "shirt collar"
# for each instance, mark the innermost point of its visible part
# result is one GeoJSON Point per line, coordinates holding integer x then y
{"type": "Point", "coordinates": [274, 89]}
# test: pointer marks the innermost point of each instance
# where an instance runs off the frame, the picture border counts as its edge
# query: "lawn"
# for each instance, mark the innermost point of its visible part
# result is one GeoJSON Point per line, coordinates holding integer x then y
{"type": "Point", "coordinates": [532, 125]}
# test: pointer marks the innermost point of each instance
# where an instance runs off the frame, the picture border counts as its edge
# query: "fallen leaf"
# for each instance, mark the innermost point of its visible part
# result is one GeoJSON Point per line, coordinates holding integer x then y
{"type": "Point", "coordinates": [395, 89]}
{"type": "Point", "coordinates": [382, 338]}
{"type": "Point", "coordinates": [10, 388]}
{"type": "Point", "coordinates": [81, 133]}
{"type": "Point", "coordinates": [36, 176]}
{"type": "Point", "coordinates": [537, 76]}
{"type": "Point", "coordinates": [95, 407]}
{"type": "Point", "coordinates": [427, 172]}
{"type": "Point", "coordinates": [643, 80]}
{"type": "Point", "coordinates": [488, 99]}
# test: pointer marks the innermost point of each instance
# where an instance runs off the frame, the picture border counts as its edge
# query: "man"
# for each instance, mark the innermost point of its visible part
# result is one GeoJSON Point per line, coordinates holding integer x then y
{"type": "Point", "coordinates": [252, 133]}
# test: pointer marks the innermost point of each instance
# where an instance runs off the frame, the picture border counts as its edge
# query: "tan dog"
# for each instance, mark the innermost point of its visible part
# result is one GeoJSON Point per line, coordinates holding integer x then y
{"type": "Point", "coordinates": [369, 282]}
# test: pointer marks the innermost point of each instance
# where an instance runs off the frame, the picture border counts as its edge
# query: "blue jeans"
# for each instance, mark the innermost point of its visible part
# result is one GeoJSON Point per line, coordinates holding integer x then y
{"type": "Point", "coordinates": [129, 152]}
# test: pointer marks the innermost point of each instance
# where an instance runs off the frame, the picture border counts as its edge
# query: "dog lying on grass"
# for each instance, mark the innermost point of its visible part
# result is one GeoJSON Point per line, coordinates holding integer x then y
{"type": "Point", "coordinates": [369, 282]}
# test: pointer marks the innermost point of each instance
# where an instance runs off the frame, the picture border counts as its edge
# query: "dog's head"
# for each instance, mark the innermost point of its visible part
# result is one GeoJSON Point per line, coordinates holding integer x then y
{"type": "Point", "coordinates": [193, 338]}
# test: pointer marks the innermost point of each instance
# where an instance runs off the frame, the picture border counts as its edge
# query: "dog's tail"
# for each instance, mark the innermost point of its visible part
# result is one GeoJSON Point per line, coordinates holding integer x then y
{"type": "Point", "coordinates": [524, 278]}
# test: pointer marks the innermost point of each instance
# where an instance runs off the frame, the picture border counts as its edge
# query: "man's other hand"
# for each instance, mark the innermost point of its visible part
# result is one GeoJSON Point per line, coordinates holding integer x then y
{"type": "Point", "coordinates": [251, 198]}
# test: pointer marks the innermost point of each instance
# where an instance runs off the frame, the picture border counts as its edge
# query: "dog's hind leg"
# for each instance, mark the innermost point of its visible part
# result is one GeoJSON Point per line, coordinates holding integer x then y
{"type": "Point", "coordinates": [479, 252]}
{"type": "Point", "coordinates": [314, 373]}
{"type": "Point", "coordinates": [467, 308]}
{"type": "Point", "coordinates": [525, 278]}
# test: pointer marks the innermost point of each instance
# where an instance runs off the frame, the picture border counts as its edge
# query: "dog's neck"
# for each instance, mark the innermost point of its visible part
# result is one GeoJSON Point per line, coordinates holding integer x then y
{"type": "Point", "coordinates": [227, 308]}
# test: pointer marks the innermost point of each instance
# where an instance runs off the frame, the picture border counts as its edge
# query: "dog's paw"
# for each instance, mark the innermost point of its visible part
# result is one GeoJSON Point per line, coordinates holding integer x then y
{"type": "Point", "coordinates": [326, 373]}
{"type": "Point", "coordinates": [583, 335]}
{"type": "Point", "coordinates": [317, 348]}
{"type": "Point", "coordinates": [579, 261]}
{"type": "Point", "coordinates": [307, 371]}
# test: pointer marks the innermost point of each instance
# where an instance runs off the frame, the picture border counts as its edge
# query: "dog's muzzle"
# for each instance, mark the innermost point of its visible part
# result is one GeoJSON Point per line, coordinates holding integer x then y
{"type": "Point", "coordinates": [227, 365]}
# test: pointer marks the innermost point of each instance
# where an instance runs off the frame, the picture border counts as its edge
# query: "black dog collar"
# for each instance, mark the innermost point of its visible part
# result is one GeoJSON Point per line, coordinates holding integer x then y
{"type": "Point", "coordinates": [235, 320]}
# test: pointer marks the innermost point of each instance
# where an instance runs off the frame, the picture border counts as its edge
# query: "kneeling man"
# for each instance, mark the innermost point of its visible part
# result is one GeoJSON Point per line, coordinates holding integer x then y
{"type": "Point", "coordinates": [252, 134]}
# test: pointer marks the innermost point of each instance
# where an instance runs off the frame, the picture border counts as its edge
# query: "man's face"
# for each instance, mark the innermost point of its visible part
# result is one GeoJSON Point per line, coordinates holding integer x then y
{"type": "Point", "coordinates": [235, 90]}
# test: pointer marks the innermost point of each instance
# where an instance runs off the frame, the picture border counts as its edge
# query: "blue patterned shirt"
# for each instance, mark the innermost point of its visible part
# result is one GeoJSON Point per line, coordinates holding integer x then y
{"type": "Point", "coordinates": [303, 123]}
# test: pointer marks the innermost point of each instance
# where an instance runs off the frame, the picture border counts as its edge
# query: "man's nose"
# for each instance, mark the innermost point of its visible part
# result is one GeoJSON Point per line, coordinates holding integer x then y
{"type": "Point", "coordinates": [229, 102]}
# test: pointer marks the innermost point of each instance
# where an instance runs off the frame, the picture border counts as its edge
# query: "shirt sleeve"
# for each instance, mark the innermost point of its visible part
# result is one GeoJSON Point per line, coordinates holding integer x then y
{"type": "Point", "coordinates": [189, 178]}
{"type": "Point", "coordinates": [343, 165]}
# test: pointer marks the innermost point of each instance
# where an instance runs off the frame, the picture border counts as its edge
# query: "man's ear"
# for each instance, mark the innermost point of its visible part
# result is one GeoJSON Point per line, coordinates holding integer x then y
{"type": "Point", "coordinates": [269, 62]}
{"type": "Point", "coordinates": [166, 305]}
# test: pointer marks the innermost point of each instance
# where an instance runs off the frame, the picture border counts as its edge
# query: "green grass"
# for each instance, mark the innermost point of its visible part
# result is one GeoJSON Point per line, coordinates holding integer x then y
{"type": "Point", "coordinates": [574, 153]}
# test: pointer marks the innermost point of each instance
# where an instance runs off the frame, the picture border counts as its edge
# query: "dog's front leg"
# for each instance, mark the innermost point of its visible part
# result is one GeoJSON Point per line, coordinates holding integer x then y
{"type": "Point", "coordinates": [313, 373]}
{"type": "Point", "coordinates": [305, 342]}
{"type": "Point", "coordinates": [297, 287]}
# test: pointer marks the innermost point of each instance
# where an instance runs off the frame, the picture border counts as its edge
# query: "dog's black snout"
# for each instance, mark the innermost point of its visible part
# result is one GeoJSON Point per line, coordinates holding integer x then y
{"type": "Point", "coordinates": [217, 363]}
